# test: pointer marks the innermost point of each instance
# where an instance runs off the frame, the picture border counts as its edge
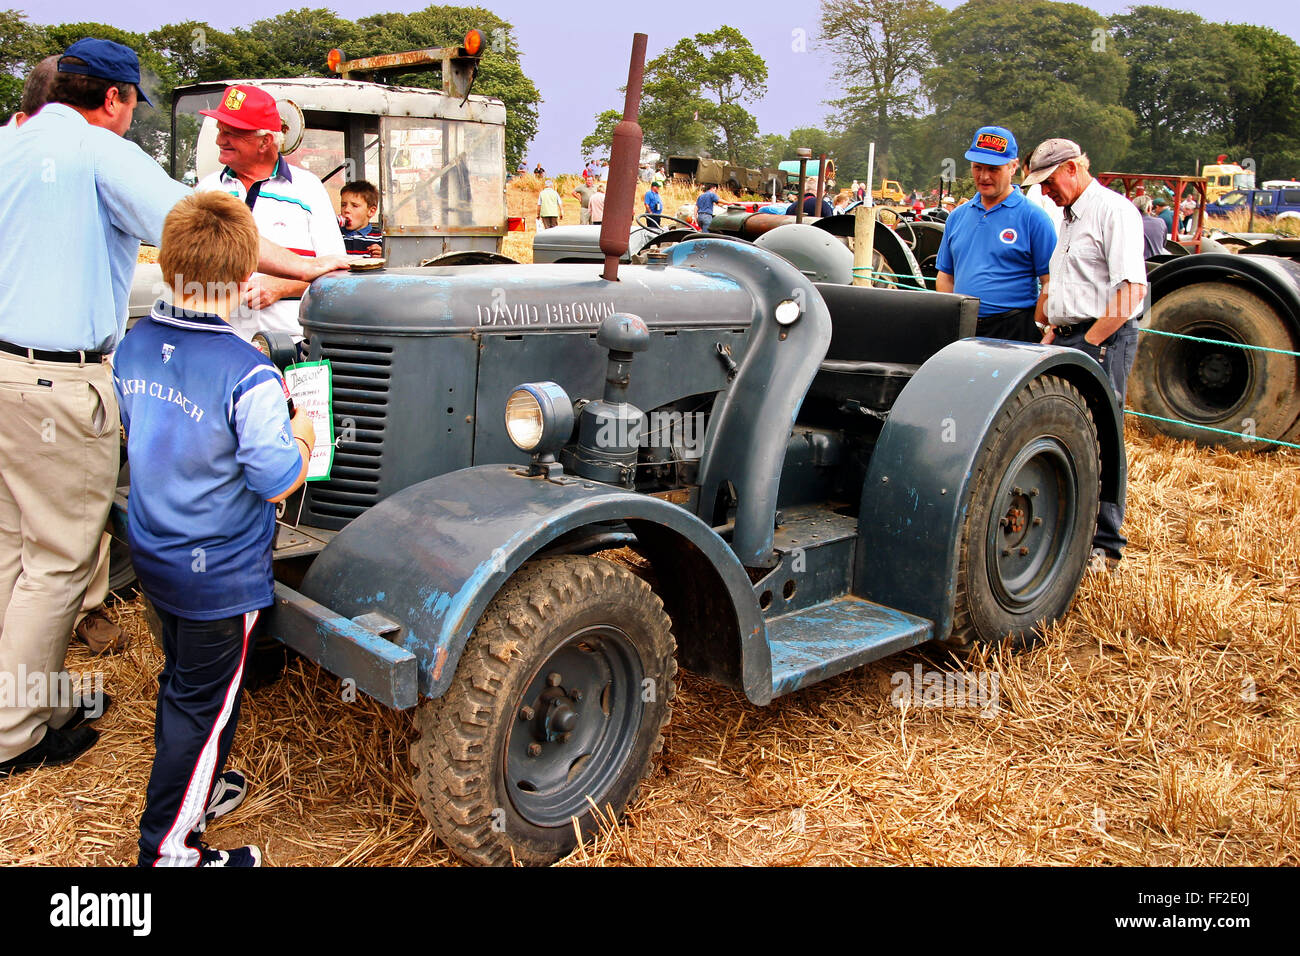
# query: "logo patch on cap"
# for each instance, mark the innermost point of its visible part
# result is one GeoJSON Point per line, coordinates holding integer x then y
{"type": "Point", "coordinates": [1009, 236]}
{"type": "Point", "coordinates": [992, 142]}
{"type": "Point", "coordinates": [234, 99]}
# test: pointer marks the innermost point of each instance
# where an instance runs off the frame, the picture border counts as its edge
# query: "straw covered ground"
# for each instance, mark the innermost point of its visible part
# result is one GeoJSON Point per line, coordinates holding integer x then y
{"type": "Point", "coordinates": [1159, 723]}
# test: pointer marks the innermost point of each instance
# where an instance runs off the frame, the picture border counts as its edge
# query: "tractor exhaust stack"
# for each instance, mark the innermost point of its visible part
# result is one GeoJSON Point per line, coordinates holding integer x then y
{"type": "Point", "coordinates": [625, 152]}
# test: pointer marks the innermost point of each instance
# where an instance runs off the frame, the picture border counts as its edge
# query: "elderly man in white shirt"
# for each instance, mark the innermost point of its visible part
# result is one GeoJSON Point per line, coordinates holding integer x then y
{"type": "Point", "coordinates": [1098, 282]}
{"type": "Point", "coordinates": [290, 205]}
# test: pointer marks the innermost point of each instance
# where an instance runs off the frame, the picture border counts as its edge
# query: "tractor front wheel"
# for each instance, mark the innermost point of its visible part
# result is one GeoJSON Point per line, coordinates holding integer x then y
{"type": "Point", "coordinates": [556, 711]}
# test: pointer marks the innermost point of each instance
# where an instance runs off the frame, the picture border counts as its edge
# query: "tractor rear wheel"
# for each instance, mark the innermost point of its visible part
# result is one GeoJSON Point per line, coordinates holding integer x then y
{"type": "Point", "coordinates": [1034, 494]}
{"type": "Point", "coordinates": [1219, 386]}
{"type": "Point", "coordinates": [557, 709]}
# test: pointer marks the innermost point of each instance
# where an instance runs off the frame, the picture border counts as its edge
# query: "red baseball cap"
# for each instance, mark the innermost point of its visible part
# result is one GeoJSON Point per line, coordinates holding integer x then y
{"type": "Point", "coordinates": [247, 107]}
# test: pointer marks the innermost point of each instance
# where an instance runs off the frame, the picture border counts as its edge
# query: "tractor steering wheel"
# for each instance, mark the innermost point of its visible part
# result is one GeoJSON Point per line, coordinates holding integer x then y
{"type": "Point", "coordinates": [650, 226]}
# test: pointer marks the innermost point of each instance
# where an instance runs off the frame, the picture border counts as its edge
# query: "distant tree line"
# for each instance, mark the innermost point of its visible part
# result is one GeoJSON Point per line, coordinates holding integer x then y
{"type": "Point", "coordinates": [1151, 90]}
{"type": "Point", "coordinates": [290, 44]}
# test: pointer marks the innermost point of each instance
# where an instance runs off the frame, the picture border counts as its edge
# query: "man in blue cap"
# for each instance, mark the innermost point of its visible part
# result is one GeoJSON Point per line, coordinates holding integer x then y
{"type": "Point", "coordinates": [83, 197]}
{"type": "Point", "coordinates": [998, 248]}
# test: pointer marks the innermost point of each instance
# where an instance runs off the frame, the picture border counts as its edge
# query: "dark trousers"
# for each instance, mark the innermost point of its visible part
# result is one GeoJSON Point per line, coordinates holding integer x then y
{"type": "Point", "coordinates": [198, 708]}
{"type": "Point", "coordinates": [1016, 325]}
{"type": "Point", "coordinates": [1121, 350]}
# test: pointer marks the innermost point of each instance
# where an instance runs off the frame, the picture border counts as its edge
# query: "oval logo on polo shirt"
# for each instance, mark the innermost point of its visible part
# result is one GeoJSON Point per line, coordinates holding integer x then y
{"type": "Point", "coordinates": [1009, 236]}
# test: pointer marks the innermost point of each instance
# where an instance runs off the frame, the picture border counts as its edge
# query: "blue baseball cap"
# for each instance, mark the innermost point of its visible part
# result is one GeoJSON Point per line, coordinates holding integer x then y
{"type": "Point", "coordinates": [993, 146]}
{"type": "Point", "coordinates": [106, 60]}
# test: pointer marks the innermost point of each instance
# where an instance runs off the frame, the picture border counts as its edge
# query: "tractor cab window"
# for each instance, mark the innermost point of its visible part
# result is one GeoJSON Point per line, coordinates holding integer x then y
{"type": "Point", "coordinates": [1244, 180]}
{"type": "Point", "coordinates": [440, 174]}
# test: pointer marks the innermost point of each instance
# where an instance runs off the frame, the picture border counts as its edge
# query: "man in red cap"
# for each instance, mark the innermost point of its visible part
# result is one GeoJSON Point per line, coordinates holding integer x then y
{"type": "Point", "coordinates": [289, 204]}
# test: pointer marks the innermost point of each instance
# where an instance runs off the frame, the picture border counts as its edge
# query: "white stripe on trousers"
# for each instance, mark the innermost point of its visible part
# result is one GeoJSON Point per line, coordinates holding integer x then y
{"type": "Point", "coordinates": [173, 850]}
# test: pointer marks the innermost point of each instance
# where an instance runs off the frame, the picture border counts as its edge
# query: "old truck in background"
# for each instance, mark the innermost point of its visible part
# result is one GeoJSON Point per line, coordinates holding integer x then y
{"type": "Point", "coordinates": [1280, 204]}
{"type": "Point", "coordinates": [1222, 177]}
{"type": "Point", "coordinates": [706, 171]}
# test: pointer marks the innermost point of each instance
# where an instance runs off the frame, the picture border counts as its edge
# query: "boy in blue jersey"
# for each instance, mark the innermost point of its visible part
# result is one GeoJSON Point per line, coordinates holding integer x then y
{"type": "Point", "coordinates": [358, 203]}
{"type": "Point", "coordinates": [213, 449]}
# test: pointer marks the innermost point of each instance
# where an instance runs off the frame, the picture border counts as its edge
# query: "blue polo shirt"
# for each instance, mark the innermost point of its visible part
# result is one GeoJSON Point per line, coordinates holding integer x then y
{"type": "Point", "coordinates": [209, 442]}
{"type": "Point", "coordinates": [998, 254]}
{"type": "Point", "coordinates": [80, 198]}
{"type": "Point", "coordinates": [653, 203]}
{"type": "Point", "coordinates": [705, 203]}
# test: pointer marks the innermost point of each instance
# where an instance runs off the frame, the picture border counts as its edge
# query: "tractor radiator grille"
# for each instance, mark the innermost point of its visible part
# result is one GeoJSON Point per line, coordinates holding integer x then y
{"type": "Point", "coordinates": [361, 375]}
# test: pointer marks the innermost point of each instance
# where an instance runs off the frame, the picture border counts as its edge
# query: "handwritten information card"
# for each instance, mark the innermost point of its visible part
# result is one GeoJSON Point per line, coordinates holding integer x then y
{"type": "Point", "coordinates": [312, 386]}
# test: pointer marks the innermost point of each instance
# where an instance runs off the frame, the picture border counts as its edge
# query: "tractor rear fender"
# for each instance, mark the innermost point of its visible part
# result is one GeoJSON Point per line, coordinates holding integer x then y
{"type": "Point", "coordinates": [1275, 280]}
{"type": "Point", "coordinates": [431, 557]}
{"type": "Point", "coordinates": [915, 495]}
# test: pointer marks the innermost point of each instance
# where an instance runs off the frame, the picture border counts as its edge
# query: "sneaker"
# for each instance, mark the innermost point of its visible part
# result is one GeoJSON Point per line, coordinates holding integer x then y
{"type": "Point", "coordinates": [240, 856]}
{"type": "Point", "coordinates": [56, 747]}
{"type": "Point", "coordinates": [100, 634]}
{"type": "Point", "coordinates": [1102, 562]}
{"type": "Point", "coordinates": [227, 794]}
{"type": "Point", "coordinates": [91, 712]}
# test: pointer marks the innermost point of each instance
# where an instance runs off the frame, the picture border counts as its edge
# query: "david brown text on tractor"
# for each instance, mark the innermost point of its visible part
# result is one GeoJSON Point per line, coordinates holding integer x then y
{"type": "Point", "coordinates": [799, 478]}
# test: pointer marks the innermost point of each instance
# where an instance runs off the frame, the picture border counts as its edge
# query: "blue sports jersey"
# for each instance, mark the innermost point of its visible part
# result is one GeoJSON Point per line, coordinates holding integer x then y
{"type": "Point", "coordinates": [209, 441]}
{"type": "Point", "coordinates": [997, 254]}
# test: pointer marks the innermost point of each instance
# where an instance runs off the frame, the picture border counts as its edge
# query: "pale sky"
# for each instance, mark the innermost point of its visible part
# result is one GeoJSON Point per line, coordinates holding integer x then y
{"type": "Point", "coordinates": [577, 53]}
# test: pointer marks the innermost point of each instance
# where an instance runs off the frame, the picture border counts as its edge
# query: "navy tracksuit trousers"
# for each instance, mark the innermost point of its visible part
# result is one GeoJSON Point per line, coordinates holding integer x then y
{"type": "Point", "coordinates": [198, 708]}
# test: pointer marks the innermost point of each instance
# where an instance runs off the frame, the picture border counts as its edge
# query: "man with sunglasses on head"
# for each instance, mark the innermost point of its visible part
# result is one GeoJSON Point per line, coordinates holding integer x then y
{"type": "Point", "coordinates": [1098, 282]}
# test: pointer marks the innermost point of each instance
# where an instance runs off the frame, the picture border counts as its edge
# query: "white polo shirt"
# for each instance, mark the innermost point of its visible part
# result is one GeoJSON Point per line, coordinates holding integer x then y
{"type": "Point", "coordinates": [1099, 247]}
{"type": "Point", "coordinates": [292, 209]}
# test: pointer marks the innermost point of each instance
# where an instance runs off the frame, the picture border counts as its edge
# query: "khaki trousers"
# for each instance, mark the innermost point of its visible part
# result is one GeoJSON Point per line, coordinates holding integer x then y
{"type": "Point", "coordinates": [97, 589]}
{"type": "Point", "coordinates": [58, 471]}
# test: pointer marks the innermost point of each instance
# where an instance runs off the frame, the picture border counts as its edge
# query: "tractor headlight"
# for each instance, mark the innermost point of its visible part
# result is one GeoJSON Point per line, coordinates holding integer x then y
{"type": "Point", "coordinates": [788, 312]}
{"type": "Point", "coordinates": [279, 347]}
{"type": "Point", "coordinates": [539, 417]}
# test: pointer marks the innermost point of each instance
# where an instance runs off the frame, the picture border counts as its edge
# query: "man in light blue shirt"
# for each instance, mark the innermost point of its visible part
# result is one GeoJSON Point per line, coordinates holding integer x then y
{"type": "Point", "coordinates": [83, 198]}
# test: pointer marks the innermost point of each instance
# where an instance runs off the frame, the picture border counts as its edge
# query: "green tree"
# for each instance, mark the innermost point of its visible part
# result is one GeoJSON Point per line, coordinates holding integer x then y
{"type": "Point", "coordinates": [1262, 121]}
{"type": "Point", "coordinates": [694, 95]}
{"type": "Point", "coordinates": [21, 46]}
{"type": "Point", "coordinates": [1180, 78]}
{"type": "Point", "coordinates": [731, 74]}
{"type": "Point", "coordinates": [598, 142]}
{"type": "Point", "coordinates": [672, 115]}
{"type": "Point", "coordinates": [775, 148]}
{"type": "Point", "coordinates": [1040, 68]}
{"type": "Point", "coordinates": [500, 72]}
{"type": "Point", "coordinates": [881, 50]}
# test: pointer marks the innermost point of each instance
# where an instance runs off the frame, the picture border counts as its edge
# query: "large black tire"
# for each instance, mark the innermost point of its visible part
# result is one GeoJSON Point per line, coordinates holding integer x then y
{"type": "Point", "coordinates": [559, 701]}
{"type": "Point", "coordinates": [1234, 389]}
{"type": "Point", "coordinates": [1034, 486]}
